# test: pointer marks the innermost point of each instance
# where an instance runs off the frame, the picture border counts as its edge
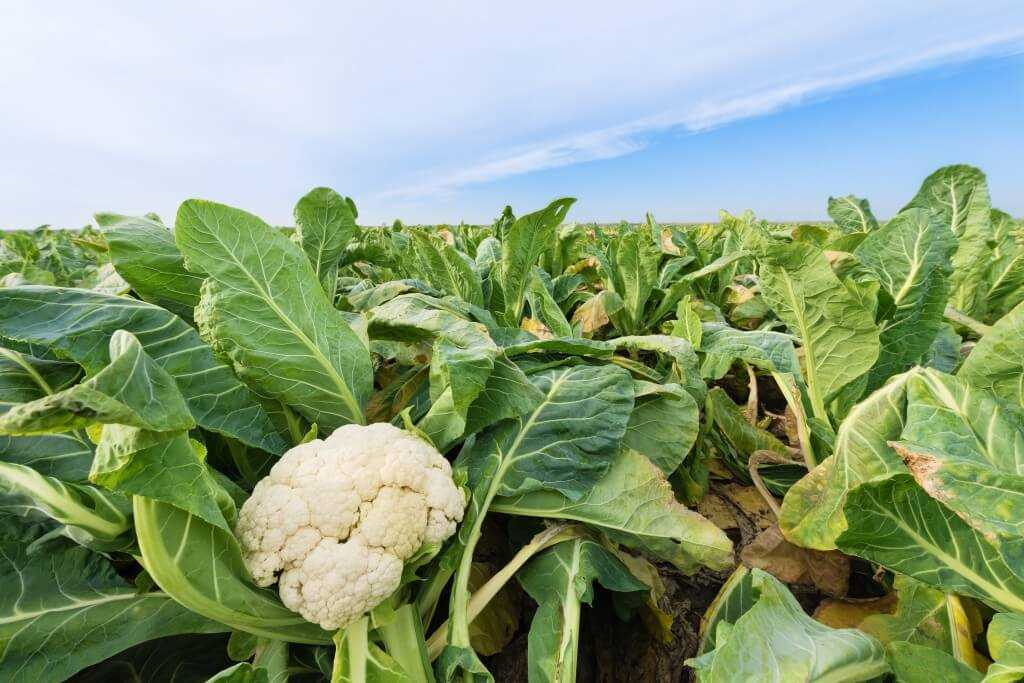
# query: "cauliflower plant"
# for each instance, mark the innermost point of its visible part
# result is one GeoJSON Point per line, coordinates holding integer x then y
{"type": "Point", "coordinates": [338, 518]}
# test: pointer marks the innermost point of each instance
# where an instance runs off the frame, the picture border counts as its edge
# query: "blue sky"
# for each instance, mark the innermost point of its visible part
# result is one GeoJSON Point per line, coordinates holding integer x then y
{"type": "Point", "coordinates": [443, 111]}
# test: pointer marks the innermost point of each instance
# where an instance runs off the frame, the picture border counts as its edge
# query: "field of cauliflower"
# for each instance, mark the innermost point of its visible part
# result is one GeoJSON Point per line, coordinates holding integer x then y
{"type": "Point", "coordinates": [537, 450]}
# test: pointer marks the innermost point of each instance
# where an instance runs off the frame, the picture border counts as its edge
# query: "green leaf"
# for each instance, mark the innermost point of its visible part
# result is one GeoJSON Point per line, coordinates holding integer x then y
{"type": "Point", "coordinates": [967, 451]}
{"type": "Point", "coordinates": [839, 338]}
{"type": "Point", "coordinates": [633, 504]}
{"type": "Point", "coordinates": [687, 325]}
{"type": "Point", "coordinates": [561, 580]}
{"type": "Point", "coordinates": [544, 308]}
{"type": "Point", "coordinates": [243, 672]}
{"type": "Point", "coordinates": [812, 511]}
{"type": "Point", "coordinates": [776, 641]}
{"type": "Point", "coordinates": [200, 566]}
{"type": "Point", "coordinates": [145, 255]}
{"type": "Point", "coordinates": [263, 307]}
{"type": "Point", "coordinates": [924, 616]}
{"type": "Point", "coordinates": [663, 425]}
{"type": "Point", "coordinates": [25, 378]}
{"type": "Point", "coordinates": [852, 214]}
{"type": "Point", "coordinates": [770, 351]}
{"type": "Point", "coordinates": [132, 390]}
{"type": "Point", "coordinates": [958, 195]}
{"type": "Point", "coordinates": [78, 324]}
{"type": "Point", "coordinates": [744, 437]}
{"type": "Point", "coordinates": [523, 242]}
{"type": "Point", "coordinates": [172, 659]}
{"type": "Point", "coordinates": [996, 364]}
{"type": "Point", "coordinates": [507, 394]}
{"type": "Point", "coordinates": [736, 596]}
{"type": "Point", "coordinates": [1006, 272]}
{"type": "Point", "coordinates": [325, 222]}
{"type": "Point", "coordinates": [1006, 645]}
{"type": "Point", "coordinates": [565, 444]}
{"type": "Point", "coordinates": [910, 257]}
{"type": "Point", "coordinates": [920, 664]}
{"type": "Point", "coordinates": [636, 256]}
{"type": "Point", "coordinates": [462, 361]}
{"type": "Point", "coordinates": [896, 524]}
{"type": "Point", "coordinates": [162, 466]}
{"type": "Point", "coordinates": [442, 266]}
{"type": "Point", "coordinates": [48, 634]}
{"type": "Point", "coordinates": [944, 353]}
{"type": "Point", "coordinates": [91, 516]}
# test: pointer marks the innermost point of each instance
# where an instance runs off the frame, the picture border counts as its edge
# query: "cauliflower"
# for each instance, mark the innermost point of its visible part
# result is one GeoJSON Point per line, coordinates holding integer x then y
{"type": "Point", "coordinates": [338, 518]}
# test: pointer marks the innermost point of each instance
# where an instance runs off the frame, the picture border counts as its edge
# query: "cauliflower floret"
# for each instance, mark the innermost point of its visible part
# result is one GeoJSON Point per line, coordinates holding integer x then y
{"type": "Point", "coordinates": [338, 517]}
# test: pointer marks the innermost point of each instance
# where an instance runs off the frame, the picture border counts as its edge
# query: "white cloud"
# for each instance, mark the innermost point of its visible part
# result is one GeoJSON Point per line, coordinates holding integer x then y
{"type": "Point", "coordinates": [135, 106]}
{"type": "Point", "coordinates": [631, 137]}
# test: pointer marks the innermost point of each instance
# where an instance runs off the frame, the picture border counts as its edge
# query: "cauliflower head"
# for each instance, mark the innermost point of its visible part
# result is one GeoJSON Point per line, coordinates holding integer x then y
{"type": "Point", "coordinates": [336, 519]}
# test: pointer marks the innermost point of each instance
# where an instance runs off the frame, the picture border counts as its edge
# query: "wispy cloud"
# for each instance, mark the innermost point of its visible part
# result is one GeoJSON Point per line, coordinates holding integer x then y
{"type": "Point", "coordinates": [634, 136]}
{"type": "Point", "coordinates": [135, 106]}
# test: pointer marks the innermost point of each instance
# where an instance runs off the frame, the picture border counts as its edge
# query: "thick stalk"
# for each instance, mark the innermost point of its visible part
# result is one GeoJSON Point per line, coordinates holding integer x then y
{"type": "Point", "coordinates": [792, 395]}
{"type": "Point", "coordinates": [350, 653]}
{"type": "Point", "coordinates": [486, 592]}
{"type": "Point", "coordinates": [964, 320]}
{"type": "Point", "coordinates": [402, 636]}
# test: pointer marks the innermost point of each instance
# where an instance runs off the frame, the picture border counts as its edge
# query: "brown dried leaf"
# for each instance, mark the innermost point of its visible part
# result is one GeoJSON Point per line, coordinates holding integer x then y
{"type": "Point", "coordinates": [536, 328]}
{"type": "Point", "coordinates": [752, 503]}
{"type": "Point", "coordinates": [828, 571]}
{"type": "Point", "coordinates": [717, 511]}
{"type": "Point", "coordinates": [849, 613]}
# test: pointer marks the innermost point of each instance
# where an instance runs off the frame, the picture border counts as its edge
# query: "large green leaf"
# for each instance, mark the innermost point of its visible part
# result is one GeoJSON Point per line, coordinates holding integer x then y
{"type": "Point", "coordinates": [145, 255]}
{"type": "Point", "coordinates": [523, 242]}
{"type": "Point", "coordinates": [544, 308]}
{"type": "Point", "coordinates": [771, 351]}
{"type": "Point", "coordinates": [325, 222]}
{"type": "Point", "coordinates": [838, 336]}
{"type": "Point", "coordinates": [553, 446]}
{"type": "Point", "coordinates": [90, 515]}
{"type": "Point", "coordinates": [78, 324]}
{"type": "Point", "coordinates": [924, 616]}
{"type": "Point", "coordinates": [263, 307]}
{"type": "Point", "coordinates": [200, 565]}
{"type": "Point", "coordinates": [776, 641]}
{"type": "Point", "coordinates": [812, 511]}
{"type": "Point", "coordinates": [996, 364]}
{"type": "Point", "coordinates": [25, 378]}
{"type": "Point", "coordinates": [736, 596]}
{"type": "Point", "coordinates": [1006, 272]}
{"type": "Point", "coordinates": [663, 425]}
{"type": "Point", "coordinates": [1006, 645]}
{"type": "Point", "coordinates": [852, 214]}
{"type": "Point", "coordinates": [132, 390]}
{"type": "Point", "coordinates": [896, 524]}
{"type": "Point", "coordinates": [958, 195]}
{"type": "Point", "coordinates": [910, 257]}
{"type": "Point", "coordinates": [967, 451]}
{"type": "Point", "coordinates": [565, 444]}
{"type": "Point", "coordinates": [561, 580]}
{"type": "Point", "coordinates": [172, 659]}
{"type": "Point", "coordinates": [636, 257]}
{"type": "Point", "coordinates": [64, 608]}
{"type": "Point", "coordinates": [633, 504]}
{"type": "Point", "coordinates": [462, 359]}
{"type": "Point", "coordinates": [921, 664]}
{"type": "Point", "coordinates": [442, 266]}
{"type": "Point", "coordinates": [164, 466]}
